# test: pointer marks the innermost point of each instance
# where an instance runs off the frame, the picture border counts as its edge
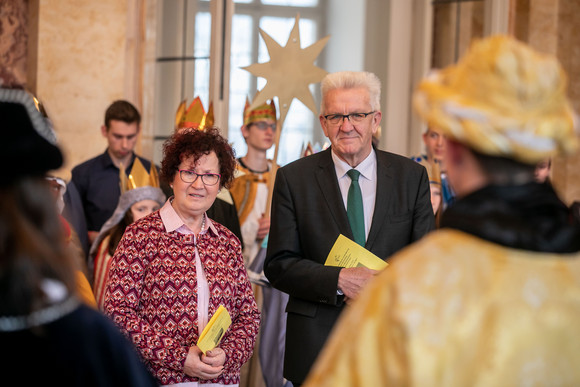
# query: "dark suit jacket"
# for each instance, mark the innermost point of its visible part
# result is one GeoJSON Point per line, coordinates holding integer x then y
{"type": "Point", "coordinates": [308, 214]}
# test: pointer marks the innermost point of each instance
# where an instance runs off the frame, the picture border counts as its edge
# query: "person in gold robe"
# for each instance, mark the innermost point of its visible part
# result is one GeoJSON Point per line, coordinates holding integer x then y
{"type": "Point", "coordinates": [492, 298]}
{"type": "Point", "coordinates": [250, 194]}
{"type": "Point", "coordinates": [250, 188]}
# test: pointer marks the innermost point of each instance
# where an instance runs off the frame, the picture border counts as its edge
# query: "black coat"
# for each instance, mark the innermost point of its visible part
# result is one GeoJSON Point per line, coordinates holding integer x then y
{"type": "Point", "coordinates": [528, 217]}
{"type": "Point", "coordinates": [308, 214]}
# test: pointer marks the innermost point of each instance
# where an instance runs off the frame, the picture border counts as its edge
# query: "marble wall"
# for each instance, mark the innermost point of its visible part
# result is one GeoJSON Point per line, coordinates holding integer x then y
{"type": "Point", "coordinates": [551, 26]}
{"type": "Point", "coordinates": [13, 43]}
{"type": "Point", "coordinates": [455, 25]}
{"type": "Point", "coordinates": [569, 53]}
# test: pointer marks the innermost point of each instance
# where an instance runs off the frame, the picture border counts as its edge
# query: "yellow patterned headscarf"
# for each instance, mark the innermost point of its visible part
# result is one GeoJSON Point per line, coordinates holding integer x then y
{"type": "Point", "coordinates": [502, 99]}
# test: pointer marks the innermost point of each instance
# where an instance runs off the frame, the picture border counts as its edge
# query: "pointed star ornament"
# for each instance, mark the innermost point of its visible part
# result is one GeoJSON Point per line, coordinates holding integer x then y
{"type": "Point", "coordinates": [289, 72]}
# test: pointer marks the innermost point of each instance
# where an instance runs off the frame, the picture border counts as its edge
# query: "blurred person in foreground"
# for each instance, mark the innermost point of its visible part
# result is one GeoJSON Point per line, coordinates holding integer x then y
{"type": "Point", "coordinates": [315, 200]}
{"type": "Point", "coordinates": [173, 269]}
{"type": "Point", "coordinates": [49, 336]}
{"type": "Point", "coordinates": [493, 297]}
{"type": "Point", "coordinates": [542, 171]}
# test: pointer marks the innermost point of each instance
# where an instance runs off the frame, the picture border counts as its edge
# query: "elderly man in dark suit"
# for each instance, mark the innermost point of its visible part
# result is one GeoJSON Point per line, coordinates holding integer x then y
{"type": "Point", "coordinates": [378, 199]}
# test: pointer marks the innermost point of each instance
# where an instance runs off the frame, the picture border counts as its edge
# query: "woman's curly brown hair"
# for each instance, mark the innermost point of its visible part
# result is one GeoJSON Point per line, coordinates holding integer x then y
{"type": "Point", "coordinates": [196, 143]}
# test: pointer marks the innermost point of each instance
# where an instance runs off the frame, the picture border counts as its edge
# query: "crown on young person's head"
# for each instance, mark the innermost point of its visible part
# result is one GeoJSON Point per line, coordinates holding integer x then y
{"type": "Point", "coordinates": [262, 112]}
{"type": "Point", "coordinates": [195, 116]}
{"type": "Point", "coordinates": [138, 177]}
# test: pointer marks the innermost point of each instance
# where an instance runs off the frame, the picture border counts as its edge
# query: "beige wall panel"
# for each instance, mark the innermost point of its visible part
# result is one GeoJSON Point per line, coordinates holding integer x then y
{"type": "Point", "coordinates": [81, 65]}
{"type": "Point", "coordinates": [543, 33]}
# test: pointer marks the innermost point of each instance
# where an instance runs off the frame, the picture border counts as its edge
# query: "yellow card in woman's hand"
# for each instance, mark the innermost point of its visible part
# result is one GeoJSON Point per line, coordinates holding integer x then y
{"type": "Point", "coordinates": [214, 330]}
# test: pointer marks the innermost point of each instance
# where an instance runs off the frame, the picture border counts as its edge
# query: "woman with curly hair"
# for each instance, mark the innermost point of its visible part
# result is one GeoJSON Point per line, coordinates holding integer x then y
{"type": "Point", "coordinates": [173, 269]}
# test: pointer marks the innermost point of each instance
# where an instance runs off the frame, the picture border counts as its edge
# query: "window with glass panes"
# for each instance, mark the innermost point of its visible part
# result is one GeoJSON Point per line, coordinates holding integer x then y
{"type": "Point", "coordinates": [183, 66]}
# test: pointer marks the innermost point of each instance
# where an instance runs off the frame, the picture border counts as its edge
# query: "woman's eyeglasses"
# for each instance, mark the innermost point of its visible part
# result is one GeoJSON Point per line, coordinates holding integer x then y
{"type": "Point", "coordinates": [188, 176]}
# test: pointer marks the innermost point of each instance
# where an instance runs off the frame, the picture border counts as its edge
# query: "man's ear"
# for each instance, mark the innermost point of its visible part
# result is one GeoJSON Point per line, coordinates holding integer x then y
{"type": "Point", "coordinates": [104, 130]}
{"type": "Point", "coordinates": [245, 131]}
{"type": "Point", "coordinates": [377, 118]}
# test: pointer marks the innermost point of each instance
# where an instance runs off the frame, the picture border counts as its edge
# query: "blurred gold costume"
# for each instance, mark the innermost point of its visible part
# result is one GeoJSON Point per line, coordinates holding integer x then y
{"type": "Point", "coordinates": [493, 297]}
{"type": "Point", "coordinates": [455, 310]}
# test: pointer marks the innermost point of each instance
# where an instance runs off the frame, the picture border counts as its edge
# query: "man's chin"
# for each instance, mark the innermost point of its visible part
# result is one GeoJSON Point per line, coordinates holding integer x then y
{"type": "Point", "coordinates": [349, 144]}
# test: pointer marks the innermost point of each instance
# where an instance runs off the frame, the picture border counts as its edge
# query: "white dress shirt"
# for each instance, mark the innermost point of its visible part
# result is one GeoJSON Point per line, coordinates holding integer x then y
{"type": "Point", "coordinates": [367, 182]}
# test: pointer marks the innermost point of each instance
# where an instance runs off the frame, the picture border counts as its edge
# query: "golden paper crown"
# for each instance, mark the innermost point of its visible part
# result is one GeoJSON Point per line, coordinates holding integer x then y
{"type": "Point", "coordinates": [502, 99]}
{"type": "Point", "coordinates": [138, 177]}
{"type": "Point", "coordinates": [195, 116]}
{"type": "Point", "coordinates": [262, 112]}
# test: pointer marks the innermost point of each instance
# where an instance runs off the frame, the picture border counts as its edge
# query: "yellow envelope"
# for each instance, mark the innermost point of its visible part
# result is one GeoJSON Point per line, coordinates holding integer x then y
{"type": "Point", "coordinates": [347, 253]}
{"type": "Point", "coordinates": [214, 330]}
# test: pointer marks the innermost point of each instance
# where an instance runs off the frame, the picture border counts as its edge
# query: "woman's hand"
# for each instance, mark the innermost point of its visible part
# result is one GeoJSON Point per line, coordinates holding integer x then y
{"type": "Point", "coordinates": [216, 357]}
{"type": "Point", "coordinates": [202, 366]}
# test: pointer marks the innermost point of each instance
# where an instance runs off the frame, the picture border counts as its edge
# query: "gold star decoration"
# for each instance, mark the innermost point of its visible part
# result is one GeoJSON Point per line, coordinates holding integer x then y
{"type": "Point", "coordinates": [289, 72]}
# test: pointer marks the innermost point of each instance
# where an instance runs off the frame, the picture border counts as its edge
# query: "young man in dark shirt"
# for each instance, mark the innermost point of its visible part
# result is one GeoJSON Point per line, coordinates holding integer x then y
{"type": "Point", "coordinates": [97, 180]}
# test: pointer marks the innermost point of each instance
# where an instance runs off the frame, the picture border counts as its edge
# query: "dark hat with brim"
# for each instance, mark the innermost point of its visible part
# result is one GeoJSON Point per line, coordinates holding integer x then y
{"type": "Point", "coordinates": [28, 146]}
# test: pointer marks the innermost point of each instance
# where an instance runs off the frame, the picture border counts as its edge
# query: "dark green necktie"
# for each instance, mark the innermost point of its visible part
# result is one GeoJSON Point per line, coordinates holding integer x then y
{"type": "Point", "coordinates": [354, 208]}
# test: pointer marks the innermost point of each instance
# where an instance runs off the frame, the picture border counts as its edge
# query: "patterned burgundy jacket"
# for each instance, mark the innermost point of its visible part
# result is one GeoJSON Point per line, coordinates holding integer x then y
{"type": "Point", "coordinates": [152, 296]}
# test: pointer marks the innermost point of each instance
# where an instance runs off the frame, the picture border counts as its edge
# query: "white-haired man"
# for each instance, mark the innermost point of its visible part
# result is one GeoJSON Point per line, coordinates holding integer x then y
{"type": "Point", "coordinates": [388, 207]}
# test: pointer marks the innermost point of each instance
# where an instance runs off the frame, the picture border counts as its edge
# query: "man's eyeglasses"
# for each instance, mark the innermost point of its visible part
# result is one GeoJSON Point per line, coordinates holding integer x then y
{"type": "Point", "coordinates": [188, 176]}
{"type": "Point", "coordinates": [353, 118]}
{"type": "Point", "coordinates": [264, 125]}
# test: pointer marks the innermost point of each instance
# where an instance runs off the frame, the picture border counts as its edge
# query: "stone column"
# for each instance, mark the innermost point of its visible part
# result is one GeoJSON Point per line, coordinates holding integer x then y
{"type": "Point", "coordinates": [551, 26]}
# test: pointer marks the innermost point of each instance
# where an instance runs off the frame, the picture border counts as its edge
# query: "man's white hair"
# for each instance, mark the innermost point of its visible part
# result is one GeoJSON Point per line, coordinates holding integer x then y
{"type": "Point", "coordinates": [351, 80]}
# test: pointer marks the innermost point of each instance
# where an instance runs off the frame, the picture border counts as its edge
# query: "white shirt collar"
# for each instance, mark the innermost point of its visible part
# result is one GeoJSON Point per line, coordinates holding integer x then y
{"type": "Point", "coordinates": [366, 167]}
{"type": "Point", "coordinates": [172, 221]}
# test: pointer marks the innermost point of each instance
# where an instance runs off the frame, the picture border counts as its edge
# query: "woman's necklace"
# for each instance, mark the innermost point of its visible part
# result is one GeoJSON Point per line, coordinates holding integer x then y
{"type": "Point", "coordinates": [202, 224]}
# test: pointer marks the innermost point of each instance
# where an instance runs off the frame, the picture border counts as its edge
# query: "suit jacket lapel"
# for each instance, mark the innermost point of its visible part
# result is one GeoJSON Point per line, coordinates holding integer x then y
{"type": "Point", "coordinates": [328, 184]}
{"type": "Point", "coordinates": [383, 198]}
